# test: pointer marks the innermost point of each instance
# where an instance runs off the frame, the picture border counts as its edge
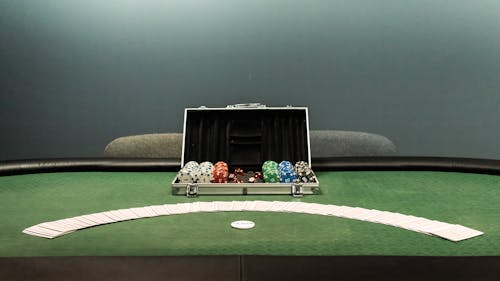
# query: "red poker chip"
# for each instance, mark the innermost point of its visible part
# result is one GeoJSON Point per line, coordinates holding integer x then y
{"type": "Point", "coordinates": [220, 163]}
{"type": "Point", "coordinates": [220, 172]}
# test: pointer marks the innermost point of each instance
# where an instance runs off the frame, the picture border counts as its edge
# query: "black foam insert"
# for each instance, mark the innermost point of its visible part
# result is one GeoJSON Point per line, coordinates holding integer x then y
{"type": "Point", "coordinates": [246, 138]}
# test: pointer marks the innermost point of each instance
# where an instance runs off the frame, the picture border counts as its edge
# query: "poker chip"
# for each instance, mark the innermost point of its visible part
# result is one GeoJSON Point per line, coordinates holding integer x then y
{"type": "Point", "coordinates": [220, 172]}
{"type": "Point", "coordinates": [187, 175]}
{"type": "Point", "coordinates": [270, 172]}
{"type": "Point", "coordinates": [239, 176]}
{"type": "Point", "coordinates": [304, 172]}
{"type": "Point", "coordinates": [191, 164]}
{"type": "Point", "coordinates": [287, 172]}
{"type": "Point", "coordinates": [258, 177]}
{"type": "Point", "coordinates": [238, 171]}
{"type": "Point", "coordinates": [207, 165]}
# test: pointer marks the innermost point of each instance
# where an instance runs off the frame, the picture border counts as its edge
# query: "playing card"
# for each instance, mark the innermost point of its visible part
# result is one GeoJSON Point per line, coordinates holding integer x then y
{"type": "Point", "coordinates": [128, 214]}
{"type": "Point", "coordinates": [238, 205]}
{"type": "Point", "coordinates": [151, 213]}
{"type": "Point", "coordinates": [399, 221]}
{"type": "Point", "coordinates": [225, 206]}
{"type": "Point", "coordinates": [381, 217]}
{"type": "Point", "coordinates": [50, 227]}
{"type": "Point", "coordinates": [159, 210]}
{"type": "Point", "coordinates": [72, 223]}
{"type": "Point", "coordinates": [140, 212]}
{"type": "Point", "coordinates": [171, 209]}
{"type": "Point", "coordinates": [436, 226]}
{"type": "Point", "coordinates": [206, 207]}
{"type": "Point", "coordinates": [299, 207]}
{"type": "Point", "coordinates": [184, 208]}
{"type": "Point", "coordinates": [104, 219]}
{"type": "Point", "coordinates": [424, 224]}
{"type": "Point", "coordinates": [343, 211]}
{"type": "Point", "coordinates": [93, 219]}
{"type": "Point", "coordinates": [194, 207]}
{"type": "Point", "coordinates": [289, 207]}
{"type": "Point", "coordinates": [248, 206]}
{"type": "Point", "coordinates": [457, 233]}
{"type": "Point", "coordinates": [372, 214]}
{"type": "Point", "coordinates": [44, 232]}
{"type": "Point", "coordinates": [389, 218]}
{"type": "Point", "coordinates": [331, 210]}
{"type": "Point", "coordinates": [118, 214]}
{"type": "Point", "coordinates": [316, 209]}
{"type": "Point", "coordinates": [416, 224]}
{"type": "Point", "coordinates": [112, 216]}
{"type": "Point", "coordinates": [54, 225]}
{"type": "Point", "coordinates": [32, 233]}
{"type": "Point", "coordinates": [276, 206]}
{"type": "Point", "coordinates": [215, 206]}
{"type": "Point", "coordinates": [84, 221]}
{"type": "Point", "coordinates": [262, 206]}
{"type": "Point", "coordinates": [359, 213]}
{"type": "Point", "coordinates": [309, 208]}
{"type": "Point", "coordinates": [36, 230]}
{"type": "Point", "coordinates": [174, 209]}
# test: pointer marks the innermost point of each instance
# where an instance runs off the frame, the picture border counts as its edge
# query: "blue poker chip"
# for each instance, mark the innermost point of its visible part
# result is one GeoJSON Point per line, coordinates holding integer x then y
{"type": "Point", "coordinates": [287, 175]}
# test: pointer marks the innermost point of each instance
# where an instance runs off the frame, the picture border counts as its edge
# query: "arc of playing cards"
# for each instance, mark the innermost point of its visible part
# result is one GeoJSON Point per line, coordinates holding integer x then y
{"type": "Point", "coordinates": [453, 232]}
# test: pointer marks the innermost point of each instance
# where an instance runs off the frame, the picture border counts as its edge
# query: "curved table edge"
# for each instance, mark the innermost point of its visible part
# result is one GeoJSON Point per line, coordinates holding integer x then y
{"type": "Point", "coordinates": [373, 163]}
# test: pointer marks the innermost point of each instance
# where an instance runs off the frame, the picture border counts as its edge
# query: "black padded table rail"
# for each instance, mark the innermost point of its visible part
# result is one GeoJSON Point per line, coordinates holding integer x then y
{"type": "Point", "coordinates": [408, 163]}
{"type": "Point", "coordinates": [28, 166]}
{"type": "Point", "coordinates": [374, 163]}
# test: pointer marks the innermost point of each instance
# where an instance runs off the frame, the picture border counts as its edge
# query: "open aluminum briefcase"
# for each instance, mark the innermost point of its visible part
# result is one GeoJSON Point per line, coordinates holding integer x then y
{"type": "Point", "coordinates": [245, 136]}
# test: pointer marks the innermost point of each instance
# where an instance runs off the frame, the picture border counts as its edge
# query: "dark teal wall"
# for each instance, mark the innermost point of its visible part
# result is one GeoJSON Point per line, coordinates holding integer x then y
{"type": "Point", "coordinates": [76, 74]}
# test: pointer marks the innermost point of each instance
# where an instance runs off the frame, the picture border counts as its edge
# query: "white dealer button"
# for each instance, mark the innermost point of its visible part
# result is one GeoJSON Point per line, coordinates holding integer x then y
{"type": "Point", "coordinates": [243, 224]}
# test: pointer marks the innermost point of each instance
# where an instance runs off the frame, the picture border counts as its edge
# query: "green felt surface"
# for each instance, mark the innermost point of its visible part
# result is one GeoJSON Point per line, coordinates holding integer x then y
{"type": "Point", "coordinates": [468, 199]}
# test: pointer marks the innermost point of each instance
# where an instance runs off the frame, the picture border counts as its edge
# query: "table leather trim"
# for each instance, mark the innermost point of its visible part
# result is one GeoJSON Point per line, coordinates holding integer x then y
{"type": "Point", "coordinates": [375, 163]}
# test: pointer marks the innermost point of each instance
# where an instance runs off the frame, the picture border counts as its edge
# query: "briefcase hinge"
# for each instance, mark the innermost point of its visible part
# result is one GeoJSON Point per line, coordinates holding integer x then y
{"type": "Point", "coordinates": [192, 190]}
{"type": "Point", "coordinates": [297, 190]}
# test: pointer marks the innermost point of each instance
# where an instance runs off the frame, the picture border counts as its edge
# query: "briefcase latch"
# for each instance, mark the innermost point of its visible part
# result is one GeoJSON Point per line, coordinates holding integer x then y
{"type": "Point", "coordinates": [297, 190]}
{"type": "Point", "coordinates": [192, 190]}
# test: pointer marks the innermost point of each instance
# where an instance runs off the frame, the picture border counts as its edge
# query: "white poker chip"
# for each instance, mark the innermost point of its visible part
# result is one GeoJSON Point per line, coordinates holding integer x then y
{"type": "Point", "coordinates": [242, 224]}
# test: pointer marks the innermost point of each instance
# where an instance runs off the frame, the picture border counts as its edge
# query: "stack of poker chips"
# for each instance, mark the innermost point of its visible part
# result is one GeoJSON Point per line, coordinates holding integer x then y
{"type": "Point", "coordinates": [304, 172]}
{"type": "Point", "coordinates": [220, 172]}
{"type": "Point", "coordinates": [205, 173]}
{"type": "Point", "coordinates": [287, 172]}
{"type": "Point", "coordinates": [270, 171]}
{"type": "Point", "coordinates": [189, 173]}
{"type": "Point", "coordinates": [258, 177]}
{"type": "Point", "coordinates": [240, 176]}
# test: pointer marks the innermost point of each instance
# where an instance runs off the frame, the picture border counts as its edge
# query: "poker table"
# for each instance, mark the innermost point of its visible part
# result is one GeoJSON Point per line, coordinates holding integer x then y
{"type": "Point", "coordinates": [203, 246]}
